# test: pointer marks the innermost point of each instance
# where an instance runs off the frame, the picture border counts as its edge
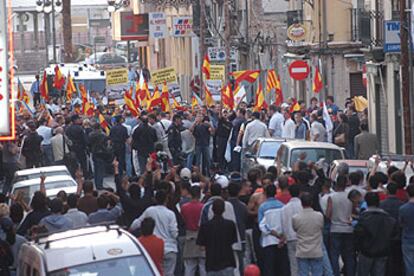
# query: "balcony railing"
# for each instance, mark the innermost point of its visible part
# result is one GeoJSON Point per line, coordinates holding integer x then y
{"type": "Point", "coordinates": [367, 27]}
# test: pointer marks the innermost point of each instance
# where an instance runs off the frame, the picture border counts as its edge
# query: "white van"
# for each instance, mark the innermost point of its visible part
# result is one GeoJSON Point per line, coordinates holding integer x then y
{"type": "Point", "coordinates": [95, 250]}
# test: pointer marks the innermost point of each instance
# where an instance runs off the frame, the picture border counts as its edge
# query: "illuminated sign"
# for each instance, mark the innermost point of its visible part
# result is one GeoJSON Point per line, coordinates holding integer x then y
{"type": "Point", "coordinates": [6, 117]}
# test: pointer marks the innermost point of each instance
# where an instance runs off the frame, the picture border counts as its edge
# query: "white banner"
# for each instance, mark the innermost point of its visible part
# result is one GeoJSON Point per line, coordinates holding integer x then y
{"type": "Point", "coordinates": [157, 25]}
{"type": "Point", "coordinates": [4, 94]}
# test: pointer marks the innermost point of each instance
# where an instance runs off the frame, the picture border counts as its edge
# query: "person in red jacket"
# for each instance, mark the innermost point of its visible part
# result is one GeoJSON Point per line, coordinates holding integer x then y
{"type": "Point", "coordinates": [153, 244]}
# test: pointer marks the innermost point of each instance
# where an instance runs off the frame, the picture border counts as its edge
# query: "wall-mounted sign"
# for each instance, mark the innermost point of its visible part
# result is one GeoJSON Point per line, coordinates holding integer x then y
{"type": "Point", "coordinates": [392, 42]}
{"type": "Point", "coordinates": [129, 26]}
{"type": "Point", "coordinates": [296, 32]}
{"type": "Point", "coordinates": [5, 120]}
{"type": "Point", "coordinates": [157, 24]}
{"type": "Point", "coordinates": [182, 26]}
{"type": "Point", "coordinates": [167, 75]}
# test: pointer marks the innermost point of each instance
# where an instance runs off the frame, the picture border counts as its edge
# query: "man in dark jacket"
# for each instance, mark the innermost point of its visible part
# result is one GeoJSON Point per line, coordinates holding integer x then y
{"type": "Point", "coordinates": [78, 142]}
{"type": "Point", "coordinates": [119, 136]}
{"type": "Point", "coordinates": [143, 140]}
{"type": "Point", "coordinates": [373, 235]}
{"type": "Point", "coordinates": [32, 147]}
{"type": "Point", "coordinates": [100, 153]}
{"type": "Point", "coordinates": [174, 138]}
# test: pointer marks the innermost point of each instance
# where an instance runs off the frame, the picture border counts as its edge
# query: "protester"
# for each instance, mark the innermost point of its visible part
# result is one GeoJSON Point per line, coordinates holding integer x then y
{"type": "Point", "coordinates": [56, 221]}
{"type": "Point", "coordinates": [46, 133]}
{"type": "Point", "coordinates": [407, 238]}
{"type": "Point", "coordinates": [59, 146]}
{"type": "Point", "coordinates": [365, 143]}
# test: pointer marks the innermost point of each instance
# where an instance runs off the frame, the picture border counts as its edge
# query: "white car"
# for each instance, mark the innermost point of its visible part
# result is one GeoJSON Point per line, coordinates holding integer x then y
{"type": "Point", "coordinates": [95, 250]}
{"type": "Point", "coordinates": [299, 150]}
{"type": "Point", "coordinates": [35, 173]}
{"type": "Point", "coordinates": [53, 185]}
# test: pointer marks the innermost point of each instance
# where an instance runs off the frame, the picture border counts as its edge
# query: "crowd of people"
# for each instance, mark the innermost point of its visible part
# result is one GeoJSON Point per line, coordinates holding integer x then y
{"type": "Point", "coordinates": [179, 189]}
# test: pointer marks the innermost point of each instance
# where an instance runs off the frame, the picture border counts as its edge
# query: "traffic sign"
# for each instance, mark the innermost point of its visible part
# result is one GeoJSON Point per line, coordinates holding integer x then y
{"type": "Point", "coordinates": [299, 70]}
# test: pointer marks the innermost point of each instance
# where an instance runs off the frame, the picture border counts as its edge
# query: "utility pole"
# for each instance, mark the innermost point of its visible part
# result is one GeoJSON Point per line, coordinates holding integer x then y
{"type": "Point", "coordinates": [201, 43]}
{"type": "Point", "coordinates": [405, 77]}
{"type": "Point", "coordinates": [227, 37]}
{"type": "Point", "coordinates": [67, 30]}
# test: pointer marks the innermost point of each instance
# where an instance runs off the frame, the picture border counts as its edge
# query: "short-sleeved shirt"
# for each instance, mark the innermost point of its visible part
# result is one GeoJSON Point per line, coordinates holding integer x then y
{"type": "Point", "coordinates": [317, 129]}
{"type": "Point", "coordinates": [202, 135]}
{"type": "Point", "coordinates": [155, 248]}
{"type": "Point", "coordinates": [191, 213]}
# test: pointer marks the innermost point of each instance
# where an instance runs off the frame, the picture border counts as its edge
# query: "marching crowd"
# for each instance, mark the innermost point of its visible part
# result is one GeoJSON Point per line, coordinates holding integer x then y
{"type": "Point", "coordinates": [179, 189]}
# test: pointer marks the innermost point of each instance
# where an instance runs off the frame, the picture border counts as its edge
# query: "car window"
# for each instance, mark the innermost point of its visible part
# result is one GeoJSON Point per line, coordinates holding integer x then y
{"type": "Point", "coordinates": [127, 266]}
{"type": "Point", "coordinates": [268, 150]}
{"type": "Point", "coordinates": [314, 155]}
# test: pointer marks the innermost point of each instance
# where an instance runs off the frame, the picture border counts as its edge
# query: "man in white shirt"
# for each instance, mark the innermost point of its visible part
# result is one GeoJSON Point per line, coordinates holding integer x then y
{"type": "Point", "coordinates": [288, 126]}
{"type": "Point", "coordinates": [165, 228]}
{"type": "Point", "coordinates": [276, 121]}
{"type": "Point", "coordinates": [254, 130]}
{"type": "Point", "coordinates": [46, 132]}
{"type": "Point", "coordinates": [293, 207]}
{"type": "Point", "coordinates": [317, 131]}
{"type": "Point", "coordinates": [57, 142]}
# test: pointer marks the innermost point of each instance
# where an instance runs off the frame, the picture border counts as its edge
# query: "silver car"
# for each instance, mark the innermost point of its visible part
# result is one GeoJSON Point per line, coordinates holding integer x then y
{"type": "Point", "coordinates": [262, 152]}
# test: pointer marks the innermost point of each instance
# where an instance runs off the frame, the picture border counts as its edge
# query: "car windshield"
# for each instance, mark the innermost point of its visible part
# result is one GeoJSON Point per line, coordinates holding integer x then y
{"type": "Point", "coordinates": [314, 155]}
{"type": "Point", "coordinates": [37, 175]}
{"type": "Point", "coordinates": [268, 150]}
{"type": "Point", "coordinates": [364, 170]}
{"type": "Point", "coordinates": [28, 191]}
{"type": "Point", "coordinates": [127, 266]}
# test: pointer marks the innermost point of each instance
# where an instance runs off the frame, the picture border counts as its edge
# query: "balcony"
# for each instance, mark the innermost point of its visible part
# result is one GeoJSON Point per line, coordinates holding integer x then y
{"type": "Point", "coordinates": [367, 27]}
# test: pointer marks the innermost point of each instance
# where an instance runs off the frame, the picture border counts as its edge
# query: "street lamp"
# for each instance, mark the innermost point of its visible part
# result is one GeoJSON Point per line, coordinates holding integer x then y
{"type": "Point", "coordinates": [47, 7]}
{"type": "Point", "coordinates": [114, 5]}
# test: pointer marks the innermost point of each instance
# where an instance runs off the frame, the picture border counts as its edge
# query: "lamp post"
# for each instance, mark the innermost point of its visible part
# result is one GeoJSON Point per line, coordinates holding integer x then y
{"type": "Point", "coordinates": [47, 7]}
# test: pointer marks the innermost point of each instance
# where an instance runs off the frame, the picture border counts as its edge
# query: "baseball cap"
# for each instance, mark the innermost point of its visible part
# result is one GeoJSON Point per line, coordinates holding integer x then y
{"type": "Point", "coordinates": [185, 173]}
{"type": "Point", "coordinates": [222, 180]}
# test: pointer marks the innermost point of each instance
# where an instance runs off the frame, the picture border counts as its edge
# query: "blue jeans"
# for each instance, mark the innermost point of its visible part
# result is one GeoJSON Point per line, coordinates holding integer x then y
{"type": "Point", "coordinates": [342, 244]}
{"type": "Point", "coordinates": [313, 266]}
{"type": "Point", "coordinates": [408, 255]}
{"type": "Point", "coordinates": [47, 155]}
{"type": "Point", "coordinates": [128, 162]}
{"type": "Point", "coordinates": [99, 172]}
{"type": "Point", "coordinates": [189, 160]}
{"type": "Point", "coordinates": [202, 155]}
{"type": "Point", "coordinates": [371, 266]}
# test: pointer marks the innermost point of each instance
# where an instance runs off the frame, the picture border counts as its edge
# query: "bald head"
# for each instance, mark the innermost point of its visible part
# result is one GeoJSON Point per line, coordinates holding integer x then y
{"type": "Point", "coordinates": [59, 130]}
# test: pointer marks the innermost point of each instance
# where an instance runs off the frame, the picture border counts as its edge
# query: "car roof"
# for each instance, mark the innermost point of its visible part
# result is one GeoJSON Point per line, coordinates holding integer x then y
{"type": "Point", "coordinates": [35, 181]}
{"type": "Point", "coordinates": [352, 163]}
{"type": "Point", "coordinates": [271, 139]}
{"type": "Point", "coordinates": [42, 169]}
{"type": "Point", "coordinates": [308, 144]}
{"type": "Point", "coordinates": [86, 245]}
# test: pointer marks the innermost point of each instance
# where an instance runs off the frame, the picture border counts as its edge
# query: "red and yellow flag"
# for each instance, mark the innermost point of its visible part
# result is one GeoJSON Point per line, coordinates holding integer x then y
{"type": "Point", "coordinates": [59, 79]}
{"type": "Point", "coordinates": [176, 105]}
{"type": "Point", "coordinates": [246, 75]}
{"type": "Point", "coordinates": [295, 106]}
{"type": "Point", "coordinates": [143, 94]}
{"type": "Point", "coordinates": [22, 94]}
{"type": "Point", "coordinates": [194, 102]}
{"type": "Point", "coordinates": [273, 81]}
{"type": "Point", "coordinates": [227, 97]}
{"type": "Point", "coordinates": [155, 100]}
{"type": "Point", "coordinates": [70, 88]}
{"type": "Point", "coordinates": [209, 98]}
{"type": "Point", "coordinates": [130, 104]}
{"type": "Point", "coordinates": [260, 99]}
{"type": "Point", "coordinates": [104, 124]}
{"type": "Point", "coordinates": [44, 90]}
{"type": "Point", "coordinates": [88, 108]}
{"type": "Point", "coordinates": [165, 99]}
{"type": "Point", "coordinates": [206, 66]}
{"type": "Point", "coordinates": [317, 81]}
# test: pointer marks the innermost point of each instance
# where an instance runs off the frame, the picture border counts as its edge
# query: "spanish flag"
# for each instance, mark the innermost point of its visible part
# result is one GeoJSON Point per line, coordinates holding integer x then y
{"type": "Point", "coordinates": [165, 99]}
{"type": "Point", "coordinates": [44, 90]}
{"type": "Point", "coordinates": [176, 105]}
{"type": "Point", "coordinates": [22, 94]}
{"type": "Point", "coordinates": [247, 75]}
{"type": "Point", "coordinates": [194, 102]}
{"type": "Point", "coordinates": [88, 107]}
{"type": "Point", "coordinates": [209, 98]}
{"type": "Point", "coordinates": [59, 79]}
{"type": "Point", "coordinates": [295, 106]}
{"type": "Point", "coordinates": [70, 88]}
{"type": "Point", "coordinates": [130, 104]}
{"type": "Point", "coordinates": [155, 100]}
{"type": "Point", "coordinates": [317, 81]}
{"type": "Point", "coordinates": [104, 124]}
{"type": "Point", "coordinates": [260, 99]}
{"type": "Point", "coordinates": [206, 66]}
{"type": "Point", "coordinates": [227, 97]}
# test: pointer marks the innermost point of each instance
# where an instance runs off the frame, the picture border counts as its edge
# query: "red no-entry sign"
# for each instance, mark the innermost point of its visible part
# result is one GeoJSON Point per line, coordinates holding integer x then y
{"type": "Point", "coordinates": [299, 70]}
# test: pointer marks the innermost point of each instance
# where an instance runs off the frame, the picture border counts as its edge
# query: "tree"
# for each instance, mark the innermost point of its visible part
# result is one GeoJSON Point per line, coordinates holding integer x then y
{"type": "Point", "coordinates": [67, 31]}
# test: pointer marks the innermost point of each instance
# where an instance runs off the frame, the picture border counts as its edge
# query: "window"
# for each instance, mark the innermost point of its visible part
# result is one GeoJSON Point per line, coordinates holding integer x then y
{"type": "Point", "coordinates": [268, 150]}
{"type": "Point", "coordinates": [126, 266]}
{"type": "Point", "coordinates": [314, 155]}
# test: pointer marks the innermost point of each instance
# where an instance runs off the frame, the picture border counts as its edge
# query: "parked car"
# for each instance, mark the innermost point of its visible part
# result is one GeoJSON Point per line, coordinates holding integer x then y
{"type": "Point", "coordinates": [35, 173]}
{"type": "Point", "coordinates": [354, 165]}
{"type": "Point", "coordinates": [299, 150]}
{"type": "Point", "coordinates": [94, 250]}
{"type": "Point", "coordinates": [262, 152]}
{"type": "Point", "coordinates": [53, 185]}
{"type": "Point", "coordinates": [106, 60]}
{"type": "Point", "coordinates": [392, 160]}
